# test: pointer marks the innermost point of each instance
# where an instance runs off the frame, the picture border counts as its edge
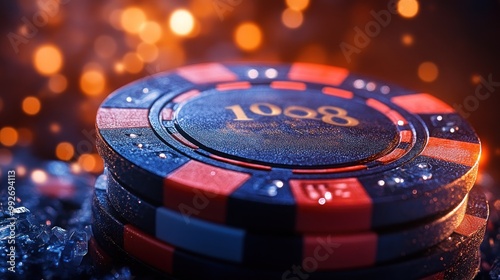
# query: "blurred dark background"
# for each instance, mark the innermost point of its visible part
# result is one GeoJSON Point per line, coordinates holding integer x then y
{"type": "Point", "coordinates": [61, 58]}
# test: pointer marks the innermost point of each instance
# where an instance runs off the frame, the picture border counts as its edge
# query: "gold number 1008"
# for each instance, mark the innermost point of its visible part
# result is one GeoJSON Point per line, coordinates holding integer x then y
{"type": "Point", "coordinates": [328, 114]}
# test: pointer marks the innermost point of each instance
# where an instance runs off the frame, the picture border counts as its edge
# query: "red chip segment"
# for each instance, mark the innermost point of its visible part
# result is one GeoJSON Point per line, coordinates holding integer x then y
{"type": "Point", "coordinates": [181, 139]}
{"type": "Point", "coordinates": [232, 86]}
{"type": "Point", "coordinates": [339, 251]}
{"type": "Point", "coordinates": [453, 151]}
{"type": "Point", "coordinates": [320, 202]}
{"type": "Point", "coordinates": [241, 163]}
{"type": "Point", "coordinates": [329, 170]}
{"type": "Point", "coordinates": [167, 114]}
{"type": "Point", "coordinates": [377, 105]}
{"type": "Point", "coordinates": [422, 103]}
{"type": "Point", "coordinates": [202, 187]}
{"type": "Point", "coordinates": [186, 96]}
{"type": "Point", "coordinates": [392, 156]}
{"type": "Point", "coordinates": [338, 92]}
{"type": "Point", "coordinates": [406, 136]}
{"type": "Point", "coordinates": [207, 73]}
{"type": "Point", "coordinates": [148, 249]}
{"type": "Point", "coordinates": [122, 118]}
{"type": "Point", "coordinates": [321, 74]}
{"type": "Point", "coordinates": [394, 116]}
{"type": "Point", "coordinates": [288, 85]}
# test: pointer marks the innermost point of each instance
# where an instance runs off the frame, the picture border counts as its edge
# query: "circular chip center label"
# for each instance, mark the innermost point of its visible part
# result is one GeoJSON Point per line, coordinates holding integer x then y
{"type": "Point", "coordinates": [286, 128]}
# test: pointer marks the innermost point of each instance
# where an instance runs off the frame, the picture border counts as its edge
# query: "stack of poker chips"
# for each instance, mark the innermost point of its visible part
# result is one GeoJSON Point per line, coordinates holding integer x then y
{"type": "Point", "coordinates": [299, 171]}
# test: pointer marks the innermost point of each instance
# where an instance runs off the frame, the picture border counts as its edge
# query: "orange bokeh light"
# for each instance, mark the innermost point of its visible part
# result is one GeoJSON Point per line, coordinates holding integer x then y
{"type": "Point", "coordinates": [248, 36]}
{"type": "Point", "coordinates": [47, 59]}
{"type": "Point", "coordinates": [31, 105]}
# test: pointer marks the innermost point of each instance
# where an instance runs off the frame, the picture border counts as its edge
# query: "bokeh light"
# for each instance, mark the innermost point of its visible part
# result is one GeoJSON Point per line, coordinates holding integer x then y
{"type": "Point", "coordinates": [428, 71]}
{"type": "Point", "coordinates": [55, 128]}
{"type": "Point", "coordinates": [31, 105]}
{"type": "Point", "coordinates": [248, 36]}
{"type": "Point", "coordinates": [297, 5]}
{"type": "Point", "coordinates": [408, 8]}
{"type": "Point", "coordinates": [39, 176]}
{"type": "Point", "coordinates": [292, 18]}
{"type": "Point", "coordinates": [92, 82]}
{"type": "Point", "coordinates": [115, 19]}
{"type": "Point", "coordinates": [132, 18]}
{"type": "Point", "coordinates": [147, 52]}
{"type": "Point", "coordinates": [475, 79]}
{"type": "Point", "coordinates": [407, 39]}
{"type": "Point", "coordinates": [57, 83]}
{"type": "Point", "coordinates": [150, 32]}
{"type": "Point", "coordinates": [132, 63]}
{"type": "Point", "coordinates": [119, 67]}
{"type": "Point", "coordinates": [91, 163]}
{"type": "Point", "coordinates": [181, 22]}
{"type": "Point", "coordinates": [21, 170]}
{"type": "Point", "coordinates": [65, 151]}
{"type": "Point", "coordinates": [8, 136]}
{"type": "Point", "coordinates": [47, 59]}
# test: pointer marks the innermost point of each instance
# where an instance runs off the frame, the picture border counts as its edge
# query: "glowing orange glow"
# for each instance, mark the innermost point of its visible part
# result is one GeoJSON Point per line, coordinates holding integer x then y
{"type": "Point", "coordinates": [8, 136]}
{"type": "Point", "coordinates": [476, 79]}
{"type": "Point", "coordinates": [485, 156]}
{"type": "Point", "coordinates": [64, 151]}
{"type": "Point", "coordinates": [31, 105]}
{"type": "Point", "coordinates": [201, 8]}
{"type": "Point", "coordinates": [105, 46]}
{"type": "Point", "coordinates": [119, 67]}
{"type": "Point", "coordinates": [428, 71]}
{"type": "Point", "coordinates": [55, 128]}
{"type": "Point", "coordinates": [91, 163]}
{"type": "Point", "coordinates": [408, 8]}
{"type": "Point", "coordinates": [297, 5]}
{"type": "Point", "coordinates": [115, 19]}
{"type": "Point", "coordinates": [181, 22]}
{"type": "Point", "coordinates": [407, 39]}
{"type": "Point", "coordinates": [58, 83]}
{"type": "Point", "coordinates": [150, 32]}
{"type": "Point", "coordinates": [92, 82]}
{"type": "Point", "coordinates": [248, 36]}
{"type": "Point", "coordinates": [47, 60]}
{"type": "Point", "coordinates": [132, 63]}
{"type": "Point", "coordinates": [131, 19]}
{"type": "Point", "coordinates": [292, 18]}
{"type": "Point", "coordinates": [147, 52]}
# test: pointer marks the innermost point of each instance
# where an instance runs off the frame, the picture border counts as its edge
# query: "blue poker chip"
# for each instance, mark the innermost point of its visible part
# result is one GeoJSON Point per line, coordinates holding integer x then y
{"type": "Point", "coordinates": [456, 256]}
{"type": "Point", "coordinates": [280, 148]}
{"type": "Point", "coordinates": [280, 251]}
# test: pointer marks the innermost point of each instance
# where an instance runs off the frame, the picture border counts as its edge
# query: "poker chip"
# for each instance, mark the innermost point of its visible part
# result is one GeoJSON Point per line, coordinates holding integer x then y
{"type": "Point", "coordinates": [276, 148]}
{"type": "Point", "coordinates": [455, 256]}
{"type": "Point", "coordinates": [280, 251]}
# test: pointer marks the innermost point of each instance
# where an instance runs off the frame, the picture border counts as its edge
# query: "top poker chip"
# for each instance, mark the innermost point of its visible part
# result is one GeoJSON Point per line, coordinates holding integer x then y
{"type": "Point", "coordinates": [287, 148]}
